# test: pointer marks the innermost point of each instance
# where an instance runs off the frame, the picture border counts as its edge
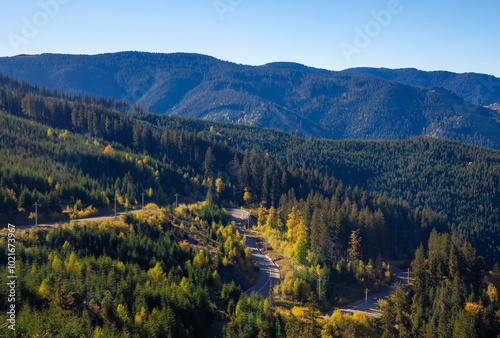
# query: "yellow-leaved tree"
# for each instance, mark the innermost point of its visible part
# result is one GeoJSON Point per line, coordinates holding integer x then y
{"type": "Point", "coordinates": [57, 264]}
{"type": "Point", "coordinates": [247, 197]}
{"type": "Point", "coordinates": [273, 219]}
{"type": "Point", "coordinates": [354, 245]}
{"type": "Point", "coordinates": [108, 150]}
{"type": "Point", "coordinates": [492, 293]}
{"type": "Point", "coordinates": [220, 185]}
{"type": "Point", "coordinates": [295, 224]}
{"type": "Point", "coordinates": [122, 313]}
{"type": "Point", "coordinates": [262, 216]}
{"type": "Point", "coordinates": [156, 273]}
{"type": "Point", "coordinates": [64, 135]}
{"type": "Point", "coordinates": [200, 259]}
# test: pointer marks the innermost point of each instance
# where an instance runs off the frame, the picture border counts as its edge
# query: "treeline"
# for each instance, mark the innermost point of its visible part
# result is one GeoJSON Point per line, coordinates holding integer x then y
{"type": "Point", "coordinates": [106, 102]}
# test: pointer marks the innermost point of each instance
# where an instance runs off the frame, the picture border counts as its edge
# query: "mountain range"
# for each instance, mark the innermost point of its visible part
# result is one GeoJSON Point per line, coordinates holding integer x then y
{"type": "Point", "coordinates": [360, 103]}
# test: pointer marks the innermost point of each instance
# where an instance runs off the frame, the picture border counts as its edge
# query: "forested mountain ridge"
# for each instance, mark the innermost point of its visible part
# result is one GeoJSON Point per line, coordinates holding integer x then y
{"type": "Point", "coordinates": [285, 96]}
{"type": "Point", "coordinates": [147, 275]}
{"type": "Point", "coordinates": [480, 89]}
{"type": "Point", "coordinates": [456, 179]}
{"type": "Point", "coordinates": [65, 151]}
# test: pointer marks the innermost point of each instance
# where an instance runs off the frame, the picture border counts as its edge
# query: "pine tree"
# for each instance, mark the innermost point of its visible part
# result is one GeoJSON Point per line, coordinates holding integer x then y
{"type": "Point", "coordinates": [300, 248]}
{"type": "Point", "coordinates": [209, 163]}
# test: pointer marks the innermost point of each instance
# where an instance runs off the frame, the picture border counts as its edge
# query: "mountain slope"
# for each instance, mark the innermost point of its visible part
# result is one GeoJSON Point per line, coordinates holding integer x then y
{"type": "Point", "coordinates": [58, 150]}
{"type": "Point", "coordinates": [456, 179]}
{"type": "Point", "coordinates": [480, 89]}
{"type": "Point", "coordinates": [286, 96]}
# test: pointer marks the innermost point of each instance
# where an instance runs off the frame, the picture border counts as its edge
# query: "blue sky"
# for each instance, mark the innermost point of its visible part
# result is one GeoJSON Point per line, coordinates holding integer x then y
{"type": "Point", "coordinates": [459, 35]}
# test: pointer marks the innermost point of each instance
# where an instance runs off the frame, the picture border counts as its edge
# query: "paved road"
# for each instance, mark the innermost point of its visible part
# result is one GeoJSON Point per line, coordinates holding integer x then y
{"type": "Point", "coordinates": [372, 301]}
{"type": "Point", "coordinates": [269, 271]}
{"type": "Point", "coordinates": [99, 218]}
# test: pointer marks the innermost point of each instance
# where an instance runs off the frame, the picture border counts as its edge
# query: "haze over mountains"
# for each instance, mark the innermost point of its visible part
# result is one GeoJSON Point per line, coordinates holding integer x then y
{"type": "Point", "coordinates": [360, 103]}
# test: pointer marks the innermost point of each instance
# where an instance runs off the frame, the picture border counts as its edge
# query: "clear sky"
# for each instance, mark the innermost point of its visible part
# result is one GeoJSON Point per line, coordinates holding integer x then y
{"type": "Point", "coordinates": [454, 35]}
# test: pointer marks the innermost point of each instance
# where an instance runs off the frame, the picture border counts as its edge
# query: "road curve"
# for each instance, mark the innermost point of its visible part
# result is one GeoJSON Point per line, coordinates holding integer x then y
{"type": "Point", "coordinates": [372, 301]}
{"type": "Point", "coordinates": [91, 219]}
{"type": "Point", "coordinates": [269, 271]}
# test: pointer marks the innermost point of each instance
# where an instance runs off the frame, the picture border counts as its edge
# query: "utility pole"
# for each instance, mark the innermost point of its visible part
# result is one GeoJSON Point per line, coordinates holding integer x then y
{"type": "Point", "coordinates": [143, 201]}
{"type": "Point", "coordinates": [176, 200]}
{"type": "Point", "coordinates": [36, 213]}
{"type": "Point", "coordinates": [366, 298]}
{"type": "Point", "coordinates": [115, 205]}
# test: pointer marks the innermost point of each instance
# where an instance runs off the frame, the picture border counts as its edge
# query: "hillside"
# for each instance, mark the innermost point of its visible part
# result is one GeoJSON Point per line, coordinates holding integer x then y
{"type": "Point", "coordinates": [73, 156]}
{"type": "Point", "coordinates": [149, 273]}
{"type": "Point", "coordinates": [456, 179]}
{"type": "Point", "coordinates": [141, 274]}
{"type": "Point", "coordinates": [480, 89]}
{"type": "Point", "coordinates": [167, 155]}
{"type": "Point", "coordinates": [285, 96]}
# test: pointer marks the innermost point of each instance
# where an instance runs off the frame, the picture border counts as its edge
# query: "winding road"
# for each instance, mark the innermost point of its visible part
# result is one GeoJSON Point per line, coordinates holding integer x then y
{"type": "Point", "coordinates": [97, 218]}
{"type": "Point", "coordinates": [372, 301]}
{"type": "Point", "coordinates": [269, 271]}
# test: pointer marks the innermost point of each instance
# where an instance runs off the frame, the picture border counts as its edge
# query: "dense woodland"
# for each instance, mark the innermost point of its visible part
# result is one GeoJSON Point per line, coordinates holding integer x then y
{"type": "Point", "coordinates": [479, 89]}
{"type": "Point", "coordinates": [65, 158]}
{"type": "Point", "coordinates": [455, 179]}
{"type": "Point", "coordinates": [145, 275]}
{"type": "Point", "coordinates": [149, 275]}
{"type": "Point", "coordinates": [452, 296]}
